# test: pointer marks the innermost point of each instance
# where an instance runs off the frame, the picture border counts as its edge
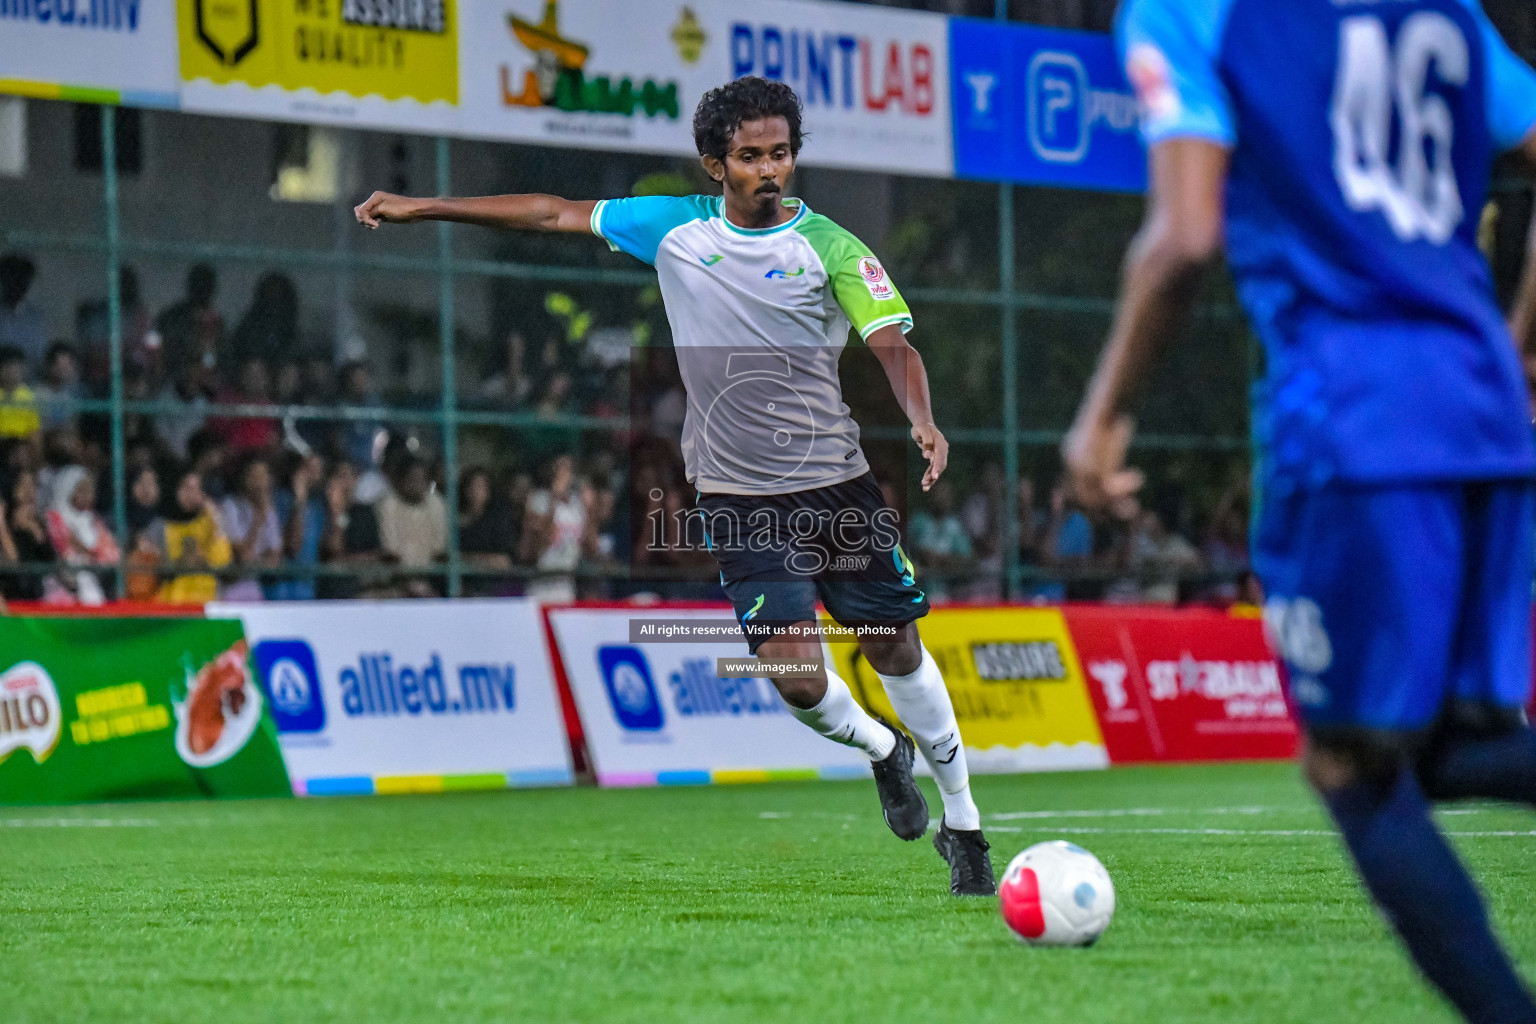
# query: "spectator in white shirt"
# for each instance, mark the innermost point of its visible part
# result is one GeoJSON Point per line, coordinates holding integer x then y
{"type": "Point", "coordinates": [557, 530]}
{"type": "Point", "coordinates": [413, 522]}
{"type": "Point", "coordinates": [251, 522]}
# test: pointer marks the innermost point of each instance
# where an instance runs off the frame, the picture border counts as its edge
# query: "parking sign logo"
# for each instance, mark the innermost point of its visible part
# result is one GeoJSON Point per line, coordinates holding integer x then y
{"type": "Point", "coordinates": [631, 691]}
{"type": "Point", "coordinates": [291, 680]}
{"type": "Point", "coordinates": [1059, 125]}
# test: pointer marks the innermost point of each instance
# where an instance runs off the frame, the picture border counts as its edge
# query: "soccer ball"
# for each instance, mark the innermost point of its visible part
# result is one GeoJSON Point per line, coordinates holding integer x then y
{"type": "Point", "coordinates": [1057, 894]}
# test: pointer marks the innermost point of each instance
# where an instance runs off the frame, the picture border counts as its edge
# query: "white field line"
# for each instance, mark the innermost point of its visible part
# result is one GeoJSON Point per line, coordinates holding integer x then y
{"type": "Point", "coordinates": [1140, 812]}
{"type": "Point", "coordinates": [1085, 830]}
{"type": "Point", "coordinates": [1143, 812]}
{"type": "Point", "coordinates": [78, 823]}
{"type": "Point", "coordinates": [1175, 812]}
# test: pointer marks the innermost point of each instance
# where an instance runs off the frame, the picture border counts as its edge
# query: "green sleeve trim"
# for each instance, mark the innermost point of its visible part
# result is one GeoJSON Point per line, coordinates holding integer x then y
{"type": "Point", "coordinates": [905, 319]}
{"type": "Point", "coordinates": [597, 223]}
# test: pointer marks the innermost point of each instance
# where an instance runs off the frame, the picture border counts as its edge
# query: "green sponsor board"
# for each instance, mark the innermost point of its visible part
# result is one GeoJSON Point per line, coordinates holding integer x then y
{"type": "Point", "coordinates": [107, 709]}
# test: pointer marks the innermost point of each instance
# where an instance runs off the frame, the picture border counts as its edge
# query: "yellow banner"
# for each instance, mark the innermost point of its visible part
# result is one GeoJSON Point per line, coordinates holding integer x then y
{"type": "Point", "coordinates": [1016, 683]}
{"type": "Point", "coordinates": [395, 49]}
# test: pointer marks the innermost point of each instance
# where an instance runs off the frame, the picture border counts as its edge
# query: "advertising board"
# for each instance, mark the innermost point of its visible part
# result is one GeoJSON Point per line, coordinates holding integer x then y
{"type": "Point", "coordinates": [408, 696]}
{"type": "Point", "coordinates": [655, 713]}
{"type": "Point", "coordinates": [89, 51]}
{"type": "Point", "coordinates": [1183, 685]}
{"type": "Point", "coordinates": [1015, 682]}
{"type": "Point", "coordinates": [600, 75]}
{"type": "Point", "coordinates": [108, 709]}
{"type": "Point", "coordinates": [1040, 106]}
{"type": "Point", "coordinates": [385, 65]}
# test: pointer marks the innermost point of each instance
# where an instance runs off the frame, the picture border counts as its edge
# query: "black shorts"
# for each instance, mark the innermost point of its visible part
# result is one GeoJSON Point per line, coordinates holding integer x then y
{"type": "Point", "coordinates": [779, 552]}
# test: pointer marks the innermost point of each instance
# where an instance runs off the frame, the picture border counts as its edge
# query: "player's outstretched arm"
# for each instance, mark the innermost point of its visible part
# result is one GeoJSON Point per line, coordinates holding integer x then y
{"type": "Point", "coordinates": [909, 380]}
{"type": "Point", "coordinates": [1522, 317]}
{"type": "Point", "coordinates": [515, 213]}
{"type": "Point", "coordinates": [1182, 234]}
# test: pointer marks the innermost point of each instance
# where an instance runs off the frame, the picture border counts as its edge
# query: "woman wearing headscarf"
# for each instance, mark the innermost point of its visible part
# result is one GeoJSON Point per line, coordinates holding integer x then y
{"type": "Point", "coordinates": [79, 535]}
{"type": "Point", "coordinates": [189, 537]}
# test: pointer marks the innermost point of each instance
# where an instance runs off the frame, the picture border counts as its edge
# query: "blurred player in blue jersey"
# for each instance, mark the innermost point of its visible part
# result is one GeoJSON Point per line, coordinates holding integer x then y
{"type": "Point", "coordinates": [1342, 150]}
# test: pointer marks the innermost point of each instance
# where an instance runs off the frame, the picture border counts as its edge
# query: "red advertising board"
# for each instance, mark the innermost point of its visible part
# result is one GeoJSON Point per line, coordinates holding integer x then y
{"type": "Point", "coordinates": [1182, 685]}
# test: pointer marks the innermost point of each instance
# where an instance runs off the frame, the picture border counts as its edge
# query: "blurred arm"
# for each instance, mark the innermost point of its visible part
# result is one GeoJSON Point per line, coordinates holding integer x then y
{"type": "Point", "coordinates": [1181, 235]}
{"type": "Point", "coordinates": [1522, 318]}
{"type": "Point", "coordinates": [514, 213]}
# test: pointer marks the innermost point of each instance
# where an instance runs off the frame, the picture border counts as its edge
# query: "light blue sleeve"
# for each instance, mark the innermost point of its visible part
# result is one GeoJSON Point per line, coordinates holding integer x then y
{"type": "Point", "coordinates": [1511, 87]}
{"type": "Point", "coordinates": [638, 225]}
{"type": "Point", "coordinates": [1171, 49]}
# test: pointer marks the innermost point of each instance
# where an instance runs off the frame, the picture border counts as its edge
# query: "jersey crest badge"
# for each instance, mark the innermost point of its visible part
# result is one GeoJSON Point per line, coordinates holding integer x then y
{"type": "Point", "coordinates": [874, 279]}
{"type": "Point", "coordinates": [1150, 76]}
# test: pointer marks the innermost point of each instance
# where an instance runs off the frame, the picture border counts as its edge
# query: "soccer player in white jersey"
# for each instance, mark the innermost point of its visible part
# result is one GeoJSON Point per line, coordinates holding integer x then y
{"type": "Point", "coordinates": [760, 294]}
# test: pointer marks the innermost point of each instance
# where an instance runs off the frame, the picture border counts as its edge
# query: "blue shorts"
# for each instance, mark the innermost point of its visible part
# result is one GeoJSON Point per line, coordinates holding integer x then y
{"type": "Point", "coordinates": [1390, 603]}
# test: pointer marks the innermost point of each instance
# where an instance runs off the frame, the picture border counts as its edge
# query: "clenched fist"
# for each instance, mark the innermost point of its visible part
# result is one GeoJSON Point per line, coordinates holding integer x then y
{"type": "Point", "coordinates": [384, 206]}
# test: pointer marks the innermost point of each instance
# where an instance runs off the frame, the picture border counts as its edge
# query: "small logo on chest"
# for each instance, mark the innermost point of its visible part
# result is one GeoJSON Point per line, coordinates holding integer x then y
{"type": "Point", "coordinates": [780, 275]}
{"type": "Point", "coordinates": [710, 261]}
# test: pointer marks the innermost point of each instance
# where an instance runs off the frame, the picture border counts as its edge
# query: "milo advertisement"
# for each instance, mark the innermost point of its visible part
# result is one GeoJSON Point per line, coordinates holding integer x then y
{"type": "Point", "coordinates": [107, 709]}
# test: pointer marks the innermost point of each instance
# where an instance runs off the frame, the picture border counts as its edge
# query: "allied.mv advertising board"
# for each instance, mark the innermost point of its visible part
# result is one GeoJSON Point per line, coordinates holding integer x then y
{"type": "Point", "coordinates": [657, 712]}
{"type": "Point", "coordinates": [90, 51]}
{"type": "Point", "coordinates": [408, 696]}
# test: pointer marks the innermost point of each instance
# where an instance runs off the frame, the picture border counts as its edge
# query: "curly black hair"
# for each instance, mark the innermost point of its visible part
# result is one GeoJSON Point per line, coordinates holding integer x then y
{"type": "Point", "coordinates": [725, 109]}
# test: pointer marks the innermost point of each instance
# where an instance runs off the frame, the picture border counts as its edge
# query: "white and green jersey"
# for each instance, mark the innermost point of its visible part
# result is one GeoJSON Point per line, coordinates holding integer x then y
{"type": "Point", "coordinates": [759, 319]}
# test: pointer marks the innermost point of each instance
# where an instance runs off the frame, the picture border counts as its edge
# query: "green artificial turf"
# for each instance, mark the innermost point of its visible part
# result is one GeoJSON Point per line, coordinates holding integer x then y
{"type": "Point", "coordinates": [785, 902]}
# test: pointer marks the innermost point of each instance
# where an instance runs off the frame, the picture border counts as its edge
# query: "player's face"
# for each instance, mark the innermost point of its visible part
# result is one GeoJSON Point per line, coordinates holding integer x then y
{"type": "Point", "coordinates": [759, 163]}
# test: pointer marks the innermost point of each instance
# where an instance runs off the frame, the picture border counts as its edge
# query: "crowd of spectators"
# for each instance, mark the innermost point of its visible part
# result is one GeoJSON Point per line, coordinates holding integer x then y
{"type": "Point", "coordinates": [252, 504]}
{"type": "Point", "coordinates": [279, 524]}
{"type": "Point", "coordinates": [1132, 553]}
{"type": "Point", "coordinates": [232, 491]}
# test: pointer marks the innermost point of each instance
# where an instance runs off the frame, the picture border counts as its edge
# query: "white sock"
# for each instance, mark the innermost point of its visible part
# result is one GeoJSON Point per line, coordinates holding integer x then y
{"type": "Point", "coordinates": [840, 719]}
{"type": "Point", "coordinates": [923, 704]}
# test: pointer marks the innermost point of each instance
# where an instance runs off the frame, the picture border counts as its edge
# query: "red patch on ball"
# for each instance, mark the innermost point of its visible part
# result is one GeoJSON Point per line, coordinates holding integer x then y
{"type": "Point", "coordinates": [1020, 904]}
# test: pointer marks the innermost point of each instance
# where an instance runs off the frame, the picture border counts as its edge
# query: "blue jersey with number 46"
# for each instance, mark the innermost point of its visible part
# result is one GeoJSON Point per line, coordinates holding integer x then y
{"type": "Point", "coordinates": [1363, 135]}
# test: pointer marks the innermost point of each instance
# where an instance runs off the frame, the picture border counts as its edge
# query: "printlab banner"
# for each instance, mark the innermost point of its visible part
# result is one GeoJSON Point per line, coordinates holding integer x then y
{"type": "Point", "coordinates": [883, 89]}
{"type": "Point", "coordinates": [1184, 685]}
{"type": "Point", "coordinates": [657, 713]}
{"type": "Point", "coordinates": [1015, 682]}
{"type": "Point", "coordinates": [408, 696]}
{"type": "Point", "coordinates": [107, 709]}
{"type": "Point", "coordinates": [384, 65]}
{"type": "Point", "coordinates": [1043, 107]}
{"type": "Point", "coordinates": [604, 75]}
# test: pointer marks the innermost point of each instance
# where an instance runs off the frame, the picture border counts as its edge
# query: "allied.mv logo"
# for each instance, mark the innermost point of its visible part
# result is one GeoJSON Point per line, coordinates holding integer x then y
{"type": "Point", "coordinates": [288, 673]}
{"type": "Point", "coordinates": [631, 691]}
